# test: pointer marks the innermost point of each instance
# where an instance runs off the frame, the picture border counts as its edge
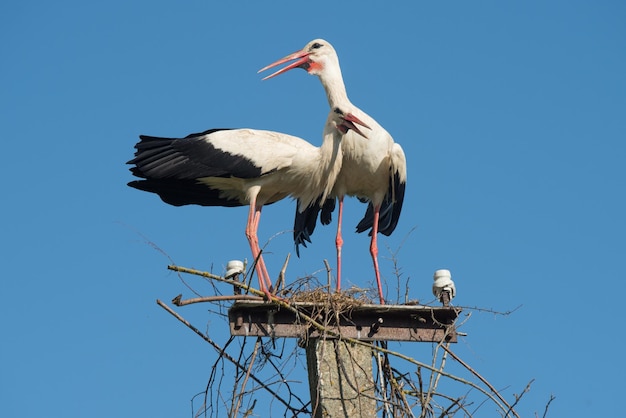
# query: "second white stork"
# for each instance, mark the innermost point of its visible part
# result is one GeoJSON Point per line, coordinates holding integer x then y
{"type": "Point", "coordinates": [373, 170]}
{"type": "Point", "coordinates": [237, 167]}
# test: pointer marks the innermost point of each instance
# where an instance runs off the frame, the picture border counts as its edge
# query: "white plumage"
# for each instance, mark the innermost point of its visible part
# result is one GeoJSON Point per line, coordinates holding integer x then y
{"type": "Point", "coordinates": [373, 170]}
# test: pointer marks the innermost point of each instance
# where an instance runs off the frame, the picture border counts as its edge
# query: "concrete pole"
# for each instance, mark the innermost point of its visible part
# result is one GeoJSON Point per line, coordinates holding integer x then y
{"type": "Point", "coordinates": [340, 379]}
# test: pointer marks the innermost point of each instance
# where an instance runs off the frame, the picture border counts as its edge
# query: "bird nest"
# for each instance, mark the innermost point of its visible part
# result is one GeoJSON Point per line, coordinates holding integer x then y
{"type": "Point", "coordinates": [333, 301]}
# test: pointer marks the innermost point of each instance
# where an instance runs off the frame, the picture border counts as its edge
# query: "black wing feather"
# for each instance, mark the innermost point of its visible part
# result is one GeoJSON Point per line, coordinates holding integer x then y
{"type": "Point", "coordinates": [390, 209]}
{"type": "Point", "coordinates": [305, 222]}
{"type": "Point", "coordinates": [191, 157]}
{"type": "Point", "coordinates": [171, 168]}
{"type": "Point", "coordinates": [183, 192]}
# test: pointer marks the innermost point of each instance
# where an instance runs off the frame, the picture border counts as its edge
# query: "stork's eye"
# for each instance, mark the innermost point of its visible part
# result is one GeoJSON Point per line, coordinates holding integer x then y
{"type": "Point", "coordinates": [316, 45]}
{"type": "Point", "coordinates": [338, 111]}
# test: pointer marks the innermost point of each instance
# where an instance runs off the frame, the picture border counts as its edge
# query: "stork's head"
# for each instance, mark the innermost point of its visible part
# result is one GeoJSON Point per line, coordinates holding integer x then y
{"type": "Point", "coordinates": [315, 57]}
{"type": "Point", "coordinates": [344, 121]}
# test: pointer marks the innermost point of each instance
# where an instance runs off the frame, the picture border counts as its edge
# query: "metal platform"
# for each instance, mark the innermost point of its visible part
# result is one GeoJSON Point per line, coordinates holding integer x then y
{"type": "Point", "coordinates": [362, 322]}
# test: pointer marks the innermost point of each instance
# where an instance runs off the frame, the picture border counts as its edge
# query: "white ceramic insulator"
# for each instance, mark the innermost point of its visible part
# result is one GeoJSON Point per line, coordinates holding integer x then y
{"type": "Point", "coordinates": [443, 282]}
{"type": "Point", "coordinates": [234, 267]}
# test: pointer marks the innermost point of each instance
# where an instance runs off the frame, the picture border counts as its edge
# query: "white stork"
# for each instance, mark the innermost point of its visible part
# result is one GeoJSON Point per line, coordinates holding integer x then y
{"type": "Point", "coordinates": [237, 167]}
{"type": "Point", "coordinates": [372, 170]}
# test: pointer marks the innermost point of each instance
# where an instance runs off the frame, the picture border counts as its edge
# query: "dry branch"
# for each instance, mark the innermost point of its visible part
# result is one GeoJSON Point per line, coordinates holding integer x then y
{"type": "Point", "coordinates": [178, 301]}
{"type": "Point", "coordinates": [226, 356]}
{"type": "Point", "coordinates": [482, 379]}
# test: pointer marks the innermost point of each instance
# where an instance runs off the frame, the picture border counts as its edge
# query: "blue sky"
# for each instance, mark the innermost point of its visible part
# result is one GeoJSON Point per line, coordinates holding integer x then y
{"type": "Point", "coordinates": [512, 116]}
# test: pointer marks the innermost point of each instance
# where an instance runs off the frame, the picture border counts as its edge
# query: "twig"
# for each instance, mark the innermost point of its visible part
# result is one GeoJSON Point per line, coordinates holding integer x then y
{"type": "Point", "coordinates": [446, 412]}
{"type": "Point", "coordinates": [381, 374]}
{"type": "Point", "coordinates": [280, 283]}
{"type": "Point", "coordinates": [245, 380]}
{"type": "Point", "coordinates": [328, 275]}
{"type": "Point", "coordinates": [477, 309]}
{"type": "Point", "coordinates": [178, 301]}
{"type": "Point", "coordinates": [545, 412]}
{"type": "Point", "coordinates": [434, 377]}
{"type": "Point", "coordinates": [420, 393]}
{"type": "Point", "coordinates": [518, 398]}
{"type": "Point", "coordinates": [155, 247]}
{"type": "Point", "coordinates": [221, 279]}
{"type": "Point", "coordinates": [399, 392]}
{"type": "Point", "coordinates": [482, 379]}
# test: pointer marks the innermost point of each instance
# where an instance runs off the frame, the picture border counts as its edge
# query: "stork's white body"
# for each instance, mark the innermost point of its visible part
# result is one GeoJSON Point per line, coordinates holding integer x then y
{"type": "Point", "coordinates": [373, 169]}
{"type": "Point", "coordinates": [288, 165]}
{"type": "Point", "coordinates": [367, 164]}
{"type": "Point", "coordinates": [222, 167]}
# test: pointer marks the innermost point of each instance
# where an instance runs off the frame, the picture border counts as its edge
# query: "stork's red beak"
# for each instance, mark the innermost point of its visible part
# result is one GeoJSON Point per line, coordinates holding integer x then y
{"type": "Point", "coordinates": [301, 61]}
{"type": "Point", "coordinates": [349, 122]}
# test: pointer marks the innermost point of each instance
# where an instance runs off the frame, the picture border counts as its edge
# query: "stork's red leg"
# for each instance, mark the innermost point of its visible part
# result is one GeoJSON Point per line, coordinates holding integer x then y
{"type": "Point", "coordinates": [374, 252]}
{"type": "Point", "coordinates": [261, 263]}
{"type": "Point", "coordinates": [252, 227]}
{"type": "Point", "coordinates": [339, 243]}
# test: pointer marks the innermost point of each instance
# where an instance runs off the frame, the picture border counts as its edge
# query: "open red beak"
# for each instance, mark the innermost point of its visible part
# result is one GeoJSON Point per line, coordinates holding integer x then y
{"type": "Point", "coordinates": [350, 121]}
{"type": "Point", "coordinates": [301, 60]}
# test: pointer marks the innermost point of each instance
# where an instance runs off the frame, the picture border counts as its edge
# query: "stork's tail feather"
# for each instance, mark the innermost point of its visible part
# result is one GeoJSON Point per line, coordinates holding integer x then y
{"type": "Point", "coordinates": [390, 210]}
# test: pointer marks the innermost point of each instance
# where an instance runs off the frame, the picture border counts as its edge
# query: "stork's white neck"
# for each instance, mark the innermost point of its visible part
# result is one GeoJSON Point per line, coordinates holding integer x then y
{"type": "Point", "coordinates": [331, 158]}
{"type": "Point", "coordinates": [332, 81]}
